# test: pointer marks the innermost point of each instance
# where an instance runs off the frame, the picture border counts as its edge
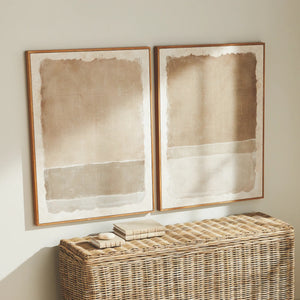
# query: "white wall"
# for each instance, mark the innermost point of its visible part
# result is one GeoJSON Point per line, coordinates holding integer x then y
{"type": "Point", "coordinates": [28, 253]}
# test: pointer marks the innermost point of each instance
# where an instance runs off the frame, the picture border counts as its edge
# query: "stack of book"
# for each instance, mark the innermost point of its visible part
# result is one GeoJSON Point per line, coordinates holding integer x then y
{"type": "Point", "coordinates": [139, 229]}
{"type": "Point", "coordinates": [101, 244]}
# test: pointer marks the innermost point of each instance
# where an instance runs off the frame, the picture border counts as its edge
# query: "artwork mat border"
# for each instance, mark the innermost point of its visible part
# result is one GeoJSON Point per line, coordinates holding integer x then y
{"type": "Point", "coordinates": [32, 132]}
{"type": "Point", "coordinates": [158, 122]}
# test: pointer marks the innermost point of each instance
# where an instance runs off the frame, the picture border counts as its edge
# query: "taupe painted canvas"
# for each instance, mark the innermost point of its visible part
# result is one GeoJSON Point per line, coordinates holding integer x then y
{"type": "Point", "coordinates": [211, 103]}
{"type": "Point", "coordinates": [91, 124]}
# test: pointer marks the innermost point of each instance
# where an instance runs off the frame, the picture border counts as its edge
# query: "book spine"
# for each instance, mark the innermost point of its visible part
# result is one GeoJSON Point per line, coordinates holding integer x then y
{"type": "Point", "coordinates": [140, 235]}
{"type": "Point", "coordinates": [139, 231]}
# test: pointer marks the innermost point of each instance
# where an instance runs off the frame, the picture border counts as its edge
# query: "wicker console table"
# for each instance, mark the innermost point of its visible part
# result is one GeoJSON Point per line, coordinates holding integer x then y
{"type": "Point", "coordinates": [240, 257]}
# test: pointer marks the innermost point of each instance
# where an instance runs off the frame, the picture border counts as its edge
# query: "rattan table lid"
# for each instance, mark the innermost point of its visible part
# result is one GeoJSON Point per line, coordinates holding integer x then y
{"type": "Point", "coordinates": [180, 236]}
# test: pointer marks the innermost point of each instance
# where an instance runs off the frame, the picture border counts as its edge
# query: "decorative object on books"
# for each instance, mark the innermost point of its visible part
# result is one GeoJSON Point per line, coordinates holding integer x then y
{"type": "Point", "coordinates": [106, 236]}
{"type": "Point", "coordinates": [210, 101]}
{"type": "Point", "coordinates": [116, 241]}
{"type": "Point", "coordinates": [141, 229]}
{"type": "Point", "coordinates": [249, 256]}
{"type": "Point", "coordinates": [90, 113]}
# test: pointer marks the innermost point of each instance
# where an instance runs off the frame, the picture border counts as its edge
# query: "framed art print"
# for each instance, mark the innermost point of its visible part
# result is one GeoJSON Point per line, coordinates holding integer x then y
{"type": "Point", "coordinates": [210, 101]}
{"type": "Point", "coordinates": [90, 116]}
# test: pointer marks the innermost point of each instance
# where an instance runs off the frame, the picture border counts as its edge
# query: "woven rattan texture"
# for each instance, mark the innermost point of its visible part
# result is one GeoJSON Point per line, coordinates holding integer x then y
{"type": "Point", "coordinates": [240, 257]}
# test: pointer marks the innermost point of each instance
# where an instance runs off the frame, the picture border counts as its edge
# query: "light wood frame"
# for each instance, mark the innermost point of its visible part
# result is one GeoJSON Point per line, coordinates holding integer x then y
{"type": "Point", "coordinates": [31, 72]}
{"type": "Point", "coordinates": [158, 50]}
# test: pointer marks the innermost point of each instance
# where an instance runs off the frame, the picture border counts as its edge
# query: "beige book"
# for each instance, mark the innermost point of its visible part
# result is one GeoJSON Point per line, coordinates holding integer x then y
{"type": "Point", "coordinates": [138, 227]}
{"type": "Point", "coordinates": [115, 242]}
{"type": "Point", "coordinates": [138, 236]}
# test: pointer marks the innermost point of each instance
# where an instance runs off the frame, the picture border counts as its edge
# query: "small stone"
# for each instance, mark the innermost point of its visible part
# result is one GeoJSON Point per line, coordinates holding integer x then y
{"type": "Point", "coordinates": [106, 236]}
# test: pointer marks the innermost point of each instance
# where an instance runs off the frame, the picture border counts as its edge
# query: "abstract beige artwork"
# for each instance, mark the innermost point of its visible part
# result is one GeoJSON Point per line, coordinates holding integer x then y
{"type": "Point", "coordinates": [91, 132]}
{"type": "Point", "coordinates": [211, 107]}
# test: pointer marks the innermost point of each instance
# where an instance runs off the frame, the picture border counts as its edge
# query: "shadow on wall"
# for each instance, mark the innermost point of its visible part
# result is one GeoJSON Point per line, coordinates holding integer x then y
{"type": "Point", "coordinates": [35, 279]}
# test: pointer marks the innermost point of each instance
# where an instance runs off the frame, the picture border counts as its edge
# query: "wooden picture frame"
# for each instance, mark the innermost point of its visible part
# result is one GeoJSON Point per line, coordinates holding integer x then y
{"type": "Point", "coordinates": [91, 126]}
{"type": "Point", "coordinates": [210, 123]}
